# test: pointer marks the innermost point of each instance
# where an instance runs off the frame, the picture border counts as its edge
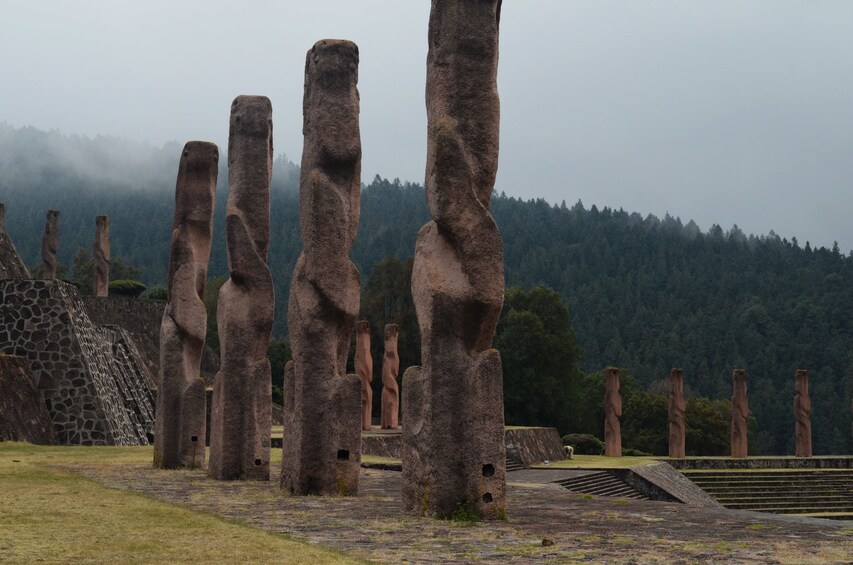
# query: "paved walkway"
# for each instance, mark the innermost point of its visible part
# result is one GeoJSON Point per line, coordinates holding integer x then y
{"type": "Point", "coordinates": [582, 528]}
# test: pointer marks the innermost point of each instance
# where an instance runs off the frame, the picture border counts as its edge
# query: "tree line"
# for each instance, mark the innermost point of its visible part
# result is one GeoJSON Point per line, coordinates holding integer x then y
{"type": "Point", "coordinates": [642, 293]}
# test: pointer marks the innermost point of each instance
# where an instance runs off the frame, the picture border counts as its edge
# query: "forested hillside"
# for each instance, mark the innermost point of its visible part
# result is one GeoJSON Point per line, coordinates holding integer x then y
{"type": "Point", "coordinates": [645, 294]}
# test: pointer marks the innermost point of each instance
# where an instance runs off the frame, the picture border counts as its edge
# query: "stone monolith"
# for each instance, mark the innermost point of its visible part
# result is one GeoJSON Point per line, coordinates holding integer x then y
{"type": "Point", "coordinates": [179, 428]}
{"type": "Point", "coordinates": [241, 414]}
{"type": "Point", "coordinates": [364, 369]}
{"type": "Point", "coordinates": [740, 414]}
{"type": "Point", "coordinates": [11, 265]}
{"type": "Point", "coordinates": [390, 372]}
{"type": "Point", "coordinates": [677, 409]}
{"type": "Point", "coordinates": [322, 445]}
{"type": "Point", "coordinates": [802, 414]}
{"type": "Point", "coordinates": [612, 413]}
{"type": "Point", "coordinates": [454, 455]}
{"type": "Point", "coordinates": [101, 254]}
{"type": "Point", "coordinates": [50, 245]}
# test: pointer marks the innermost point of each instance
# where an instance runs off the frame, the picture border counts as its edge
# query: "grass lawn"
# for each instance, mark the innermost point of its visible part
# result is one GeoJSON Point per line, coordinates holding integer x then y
{"type": "Point", "coordinates": [50, 516]}
{"type": "Point", "coordinates": [598, 462]}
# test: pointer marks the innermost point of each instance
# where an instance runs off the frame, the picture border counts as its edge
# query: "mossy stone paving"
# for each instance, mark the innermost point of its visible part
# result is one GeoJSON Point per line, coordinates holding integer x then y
{"type": "Point", "coordinates": [582, 528]}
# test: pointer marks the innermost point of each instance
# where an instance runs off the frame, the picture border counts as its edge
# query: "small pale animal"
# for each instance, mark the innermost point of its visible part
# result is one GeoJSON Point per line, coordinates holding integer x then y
{"type": "Point", "coordinates": [569, 450]}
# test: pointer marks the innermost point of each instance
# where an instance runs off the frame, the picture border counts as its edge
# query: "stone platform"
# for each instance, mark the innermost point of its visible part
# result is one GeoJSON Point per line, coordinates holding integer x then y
{"type": "Point", "coordinates": [546, 523]}
{"type": "Point", "coordinates": [527, 446]}
{"type": "Point", "coordinates": [708, 463]}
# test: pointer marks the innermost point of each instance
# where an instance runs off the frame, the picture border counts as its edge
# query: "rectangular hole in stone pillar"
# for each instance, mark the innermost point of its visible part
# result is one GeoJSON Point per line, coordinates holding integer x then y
{"type": "Point", "coordinates": [343, 455]}
{"type": "Point", "coordinates": [258, 462]}
{"type": "Point", "coordinates": [487, 497]}
{"type": "Point", "coordinates": [488, 471]}
{"type": "Point", "coordinates": [194, 439]}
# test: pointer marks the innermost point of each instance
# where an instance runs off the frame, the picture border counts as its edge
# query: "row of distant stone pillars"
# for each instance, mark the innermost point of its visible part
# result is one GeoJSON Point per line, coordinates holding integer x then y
{"type": "Point", "coordinates": [50, 247]}
{"type": "Point", "coordinates": [678, 407]}
{"type": "Point", "coordinates": [453, 444]}
{"type": "Point", "coordinates": [390, 401]}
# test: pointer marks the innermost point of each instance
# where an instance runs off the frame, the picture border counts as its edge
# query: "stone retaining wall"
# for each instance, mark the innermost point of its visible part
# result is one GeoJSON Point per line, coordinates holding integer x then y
{"type": "Point", "coordinates": [533, 445]}
{"type": "Point", "coordinates": [528, 445]}
{"type": "Point", "coordinates": [93, 388]}
{"type": "Point", "coordinates": [142, 318]}
{"type": "Point", "coordinates": [660, 481]}
{"type": "Point", "coordinates": [821, 462]}
{"type": "Point", "coordinates": [23, 416]}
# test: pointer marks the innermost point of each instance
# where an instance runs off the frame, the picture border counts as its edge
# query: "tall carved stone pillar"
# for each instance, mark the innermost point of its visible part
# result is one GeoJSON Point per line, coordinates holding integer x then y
{"type": "Point", "coordinates": [101, 253]}
{"type": "Point", "coordinates": [11, 265]}
{"type": "Point", "coordinates": [364, 370]}
{"type": "Point", "coordinates": [241, 414]}
{"type": "Point", "coordinates": [179, 427]}
{"type": "Point", "coordinates": [612, 413]}
{"type": "Point", "coordinates": [802, 414]}
{"type": "Point", "coordinates": [390, 372]}
{"type": "Point", "coordinates": [740, 414]}
{"type": "Point", "coordinates": [453, 439]}
{"type": "Point", "coordinates": [677, 409]}
{"type": "Point", "coordinates": [50, 245]}
{"type": "Point", "coordinates": [322, 441]}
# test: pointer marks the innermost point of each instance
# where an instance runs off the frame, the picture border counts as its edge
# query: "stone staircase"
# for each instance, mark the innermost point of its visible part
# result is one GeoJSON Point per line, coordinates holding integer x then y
{"type": "Point", "coordinates": [817, 492]}
{"type": "Point", "coordinates": [601, 483]}
{"type": "Point", "coordinates": [513, 464]}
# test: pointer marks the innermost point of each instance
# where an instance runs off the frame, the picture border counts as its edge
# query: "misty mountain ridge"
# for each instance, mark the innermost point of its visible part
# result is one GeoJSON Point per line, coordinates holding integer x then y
{"type": "Point", "coordinates": [644, 293]}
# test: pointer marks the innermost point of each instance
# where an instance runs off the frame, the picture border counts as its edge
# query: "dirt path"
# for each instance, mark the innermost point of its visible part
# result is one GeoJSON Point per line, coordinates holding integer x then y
{"type": "Point", "coordinates": [582, 528]}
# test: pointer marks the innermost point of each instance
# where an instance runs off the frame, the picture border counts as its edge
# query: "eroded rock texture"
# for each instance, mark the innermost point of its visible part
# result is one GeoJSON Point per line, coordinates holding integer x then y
{"type": "Point", "coordinates": [11, 265]}
{"type": "Point", "coordinates": [180, 425]}
{"type": "Point", "coordinates": [23, 414]}
{"type": "Point", "coordinates": [364, 370]}
{"type": "Point", "coordinates": [322, 444]}
{"type": "Point", "coordinates": [390, 373]}
{"type": "Point", "coordinates": [612, 413]}
{"type": "Point", "coordinates": [241, 415]}
{"type": "Point", "coordinates": [740, 414]}
{"type": "Point", "coordinates": [101, 253]}
{"type": "Point", "coordinates": [677, 409]}
{"type": "Point", "coordinates": [802, 414]}
{"type": "Point", "coordinates": [50, 245]}
{"type": "Point", "coordinates": [453, 437]}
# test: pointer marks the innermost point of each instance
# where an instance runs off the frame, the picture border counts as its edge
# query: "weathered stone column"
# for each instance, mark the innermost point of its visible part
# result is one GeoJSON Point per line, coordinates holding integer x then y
{"type": "Point", "coordinates": [322, 441]}
{"type": "Point", "coordinates": [241, 414]}
{"type": "Point", "coordinates": [364, 370]}
{"type": "Point", "coordinates": [101, 253]}
{"type": "Point", "coordinates": [612, 413]}
{"type": "Point", "coordinates": [740, 414]}
{"type": "Point", "coordinates": [677, 409]}
{"type": "Point", "coordinates": [50, 245]}
{"type": "Point", "coordinates": [802, 414]}
{"type": "Point", "coordinates": [11, 265]}
{"type": "Point", "coordinates": [179, 427]}
{"type": "Point", "coordinates": [390, 372]}
{"type": "Point", "coordinates": [454, 456]}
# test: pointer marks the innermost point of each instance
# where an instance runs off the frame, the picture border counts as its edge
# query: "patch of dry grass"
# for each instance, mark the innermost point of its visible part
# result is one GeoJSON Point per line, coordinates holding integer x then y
{"type": "Point", "coordinates": [598, 462]}
{"type": "Point", "coordinates": [57, 517]}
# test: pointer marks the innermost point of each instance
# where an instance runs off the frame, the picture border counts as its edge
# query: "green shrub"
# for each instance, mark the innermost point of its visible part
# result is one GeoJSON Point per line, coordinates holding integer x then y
{"type": "Point", "coordinates": [157, 292]}
{"type": "Point", "coordinates": [629, 452]}
{"type": "Point", "coordinates": [584, 444]}
{"type": "Point", "coordinates": [127, 288]}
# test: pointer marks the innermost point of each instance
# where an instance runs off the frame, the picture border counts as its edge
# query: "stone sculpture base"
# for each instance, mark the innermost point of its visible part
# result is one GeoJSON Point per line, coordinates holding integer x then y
{"type": "Point", "coordinates": [327, 460]}
{"type": "Point", "coordinates": [445, 472]}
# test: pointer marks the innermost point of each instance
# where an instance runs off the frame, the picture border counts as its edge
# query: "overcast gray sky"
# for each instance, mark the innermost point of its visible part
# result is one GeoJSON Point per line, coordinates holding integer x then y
{"type": "Point", "coordinates": [723, 111]}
